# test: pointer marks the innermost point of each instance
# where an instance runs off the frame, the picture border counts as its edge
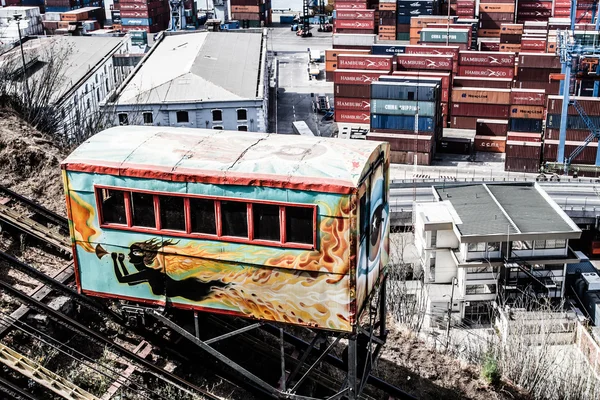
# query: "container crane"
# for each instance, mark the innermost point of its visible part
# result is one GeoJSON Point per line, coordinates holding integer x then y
{"type": "Point", "coordinates": [570, 53]}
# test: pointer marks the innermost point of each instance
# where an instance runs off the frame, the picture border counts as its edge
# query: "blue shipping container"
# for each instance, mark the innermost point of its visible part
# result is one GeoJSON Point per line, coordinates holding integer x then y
{"type": "Point", "coordinates": [403, 91]}
{"type": "Point", "coordinates": [573, 122]}
{"type": "Point", "coordinates": [384, 49]}
{"type": "Point", "coordinates": [401, 123]}
{"type": "Point", "coordinates": [525, 125]}
{"type": "Point", "coordinates": [136, 21]}
{"type": "Point", "coordinates": [287, 19]}
{"type": "Point", "coordinates": [403, 19]}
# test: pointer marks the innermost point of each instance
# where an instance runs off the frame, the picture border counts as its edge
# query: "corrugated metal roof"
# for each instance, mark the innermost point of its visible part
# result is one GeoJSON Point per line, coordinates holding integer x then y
{"type": "Point", "coordinates": [225, 156]}
{"type": "Point", "coordinates": [528, 209]}
{"type": "Point", "coordinates": [193, 67]}
{"type": "Point", "coordinates": [479, 213]}
{"type": "Point", "coordinates": [501, 208]}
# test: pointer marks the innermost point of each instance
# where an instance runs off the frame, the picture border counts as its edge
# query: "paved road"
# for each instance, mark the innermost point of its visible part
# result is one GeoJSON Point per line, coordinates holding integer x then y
{"type": "Point", "coordinates": [296, 92]}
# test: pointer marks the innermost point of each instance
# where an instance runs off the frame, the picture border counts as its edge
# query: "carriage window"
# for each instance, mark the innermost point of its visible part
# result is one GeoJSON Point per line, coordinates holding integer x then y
{"type": "Point", "coordinates": [113, 206]}
{"type": "Point", "coordinates": [234, 218]}
{"type": "Point", "coordinates": [364, 216]}
{"type": "Point", "coordinates": [266, 221]}
{"type": "Point", "coordinates": [142, 205]}
{"type": "Point", "coordinates": [299, 224]}
{"type": "Point", "coordinates": [172, 214]}
{"type": "Point", "coordinates": [203, 216]}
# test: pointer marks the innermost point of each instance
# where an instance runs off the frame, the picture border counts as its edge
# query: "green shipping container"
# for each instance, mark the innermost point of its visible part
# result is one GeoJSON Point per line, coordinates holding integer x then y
{"type": "Point", "coordinates": [439, 36]}
{"type": "Point", "coordinates": [403, 107]}
{"type": "Point", "coordinates": [403, 36]}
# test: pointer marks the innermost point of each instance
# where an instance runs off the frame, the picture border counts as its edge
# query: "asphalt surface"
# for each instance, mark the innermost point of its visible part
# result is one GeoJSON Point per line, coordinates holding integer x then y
{"type": "Point", "coordinates": [297, 93]}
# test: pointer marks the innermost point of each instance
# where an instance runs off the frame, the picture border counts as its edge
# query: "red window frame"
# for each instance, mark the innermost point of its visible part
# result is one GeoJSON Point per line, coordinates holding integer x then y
{"type": "Point", "coordinates": [218, 219]}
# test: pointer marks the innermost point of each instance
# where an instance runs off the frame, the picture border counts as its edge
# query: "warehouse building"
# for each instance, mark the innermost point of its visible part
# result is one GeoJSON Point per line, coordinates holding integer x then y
{"type": "Point", "coordinates": [484, 244]}
{"type": "Point", "coordinates": [212, 80]}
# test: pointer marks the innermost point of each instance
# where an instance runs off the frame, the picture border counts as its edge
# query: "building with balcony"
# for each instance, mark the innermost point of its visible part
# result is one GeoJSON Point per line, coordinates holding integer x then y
{"type": "Point", "coordinates": [491, 244]}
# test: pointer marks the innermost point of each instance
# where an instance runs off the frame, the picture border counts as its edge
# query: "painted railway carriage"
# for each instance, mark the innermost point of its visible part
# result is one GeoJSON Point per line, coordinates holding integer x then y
{"type": "Point", "coordinates": [271, 227]}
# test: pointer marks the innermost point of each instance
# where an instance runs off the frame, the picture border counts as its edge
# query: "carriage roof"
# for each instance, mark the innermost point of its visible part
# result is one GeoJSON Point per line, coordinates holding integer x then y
{"type": "Point", "coordinates": [226, 157]}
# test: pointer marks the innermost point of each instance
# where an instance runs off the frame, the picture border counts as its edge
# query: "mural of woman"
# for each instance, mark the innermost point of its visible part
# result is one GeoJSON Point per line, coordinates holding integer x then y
{"type": "Point", "coordinates": [142, 256]}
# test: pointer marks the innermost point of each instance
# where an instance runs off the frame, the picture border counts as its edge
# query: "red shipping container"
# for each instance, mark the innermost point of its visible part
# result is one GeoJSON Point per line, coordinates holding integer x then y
{"type": "Point", "coordinates": [463, 122]}
{"type": "Point", "coordinates": [445, 95]}
{"type": "Point", "coordinates": [534, 13]}
{"type": "Point", "coordinates": [445, 108]}
{"type": "Point", "coordinates": [535, 5]}
{"type": "Point", "coordinates": [523, 149]}
{"type": "Point", "coordinates": [587, 156]}
{"type": "Point", "coordinates": [516, 164]}
{"type": "Point", "coordinates": [353, 117]}
{"type": "Point", "coordinates": [404, 141]}
{"type": "Point", "coordinates": [486, 59]}
{"type": "Point", "coordinates": [479, 110]}
{"type": "Point", "coordinates": [492, 127]}
{"type": "Point", "coordinates": [418, 61]}
{"type": "Point", "coordinates": [490, 144]}
{"type": "Point", "coordinates": [494, 83]}
{"type": "Point", "coordinates": [533, 97]}
{"type": "Point", "coordinates": [575, 135]}
{"type": "Point", "coordinates": [591, 105]}
{"type": "Point", "coordinates": [350, 6]}
{"type": "Point", "coordinates": [465, 12]}
{"type": "Point", "coordinates": [352, 91]}
{"type": "Point", "coordinates": [365, 62]}
{"type": "Point", "coordinates": [465, 3]}
{"type": "Point", "coordinates": [444, 75]}
{"type": "Point", "coordinates": [530, 44]}
{"type": "Point", "coordinates": [490, 46]}
{"type": "Point", "coordinates": [368, 15]}
{"type": "Point", "coordinates": [433, 50]}
{"type": "Point", "coordinates": [490, 72]}
{"type": "Point", "coordinates": [355, 77]}
{"type": "Point", "coordinates": [342, 103]}
{"type": "Point", "coordinates": [524, 136]}
{"type": "Point", "coordinates": [350, 24]}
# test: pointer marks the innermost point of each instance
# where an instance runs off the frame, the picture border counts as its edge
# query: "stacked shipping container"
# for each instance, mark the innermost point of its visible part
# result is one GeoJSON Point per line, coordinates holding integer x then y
{"type": "Point", "coordinates": [251, 13]}
{"type": "Point", "coordinates": [146, 15]}
{"type": "Point", "coordinates": [354, 21]}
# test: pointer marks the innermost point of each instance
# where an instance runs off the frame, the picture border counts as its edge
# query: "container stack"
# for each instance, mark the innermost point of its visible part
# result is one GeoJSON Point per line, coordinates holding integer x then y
{"type": "Point", "coordinates": [251, 13]}
{"type": "Point", "coordinates": [576, 132]}
{"type": "Point", "coordinates": [405, 114]}
{"type": "Point", "coordinates": [408, 9]}
{"type": "Point", "coordinates": [459, 36]}
{"type": "Point", "coordinates": [524, 138]}
{"type": "Point", "coordinates": [31, 22]}
{"type": "Point", "coordinates": [149, 16]}
{"type": "Point", "coordinates": [479, 64]}
{"type": "Point", "coordinates": [352, 81]}
{"type": "Point", "coordinates": [356, 22]}
{"type": "Point", "coordinates": [510, 37]}
{"type": "Point", "coordinates": [492, 14]}
{"type": "Point", "coordinates": [534, 69]}
{"type": "Point", "coordinates": [387, 20]}
{"type": "Point", "coordinates": [331, 57]}
{"type": "Point", "coordinates": [482, 103]}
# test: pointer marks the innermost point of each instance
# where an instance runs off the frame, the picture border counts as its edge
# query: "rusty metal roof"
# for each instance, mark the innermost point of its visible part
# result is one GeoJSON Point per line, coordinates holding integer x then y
{"type": "Point", "coordinates": [226, 157]}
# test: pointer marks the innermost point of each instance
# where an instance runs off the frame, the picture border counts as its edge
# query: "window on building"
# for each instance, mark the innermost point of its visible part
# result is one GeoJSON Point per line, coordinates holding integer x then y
{"type": "Point", "coordinates": [219, 128]}
{"type": "Point", "coordinates": [147, 118]}
{"type": "Point", "coordinates": [217, 115]}
{"type": "Point", "coordinates": [433, 238]}
{"type": "Point", "coordinates": [88, 104]}
{"type": "Point", "coordinates": [539, 244]}
{"type": "Point", "coordinates": [299, 224]}
{"type": "Point", "coordinates": [182, 117]}
{"type": "Point", "coordinates": [480, 289]}
{"type": "Point", "coordinates": [86, 87]}
{"type": "Point", "coordinates": [142, 207]}
{"type": "Point", "coordinates": [493, 246]}
{"type": "Point", "coordinates": [243, 128]}
{"type": "Point", "coordinates": [265, 219]}
{"type": "Point", "coordinates": [96, 78]}
{"type": "Point", "coordinates": [106, 83]}
{"type": "Point", "coordinates": [364, 216]}
{"type": "Point", "coordinates": [112, 203]}
{"type": "Point", "coordinates": [479, 247]}
{"type": "Point", "coordinates": [123, 119]}
{"type": "Point", "coordinates": [202, 212]}
{"type": "Point", "coordinates": [98, 94]}
{"type": "Point", "coordinates": [234, 219]}
{"type": "Point", "coordinates": [172, 213]}
{"type": "Point", "coordinates": [242, 114]}
{"type": "Point", "coordinates": [561, 243]}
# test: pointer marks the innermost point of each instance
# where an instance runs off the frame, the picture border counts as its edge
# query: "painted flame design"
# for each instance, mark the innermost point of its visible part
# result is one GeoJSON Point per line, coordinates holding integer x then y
{"type": "Point", "coordinates": [82, 216]}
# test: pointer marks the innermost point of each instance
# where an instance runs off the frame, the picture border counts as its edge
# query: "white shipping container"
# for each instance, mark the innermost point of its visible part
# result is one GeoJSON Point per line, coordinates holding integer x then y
{"type": "Point", "coordinates": [52, 16]}
{"type": "Point", "coordinates": [350, 39]}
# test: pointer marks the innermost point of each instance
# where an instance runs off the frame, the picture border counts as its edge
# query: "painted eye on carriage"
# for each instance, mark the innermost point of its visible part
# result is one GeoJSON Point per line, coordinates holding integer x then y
{"type": "Point", "coordinates": [138, 253]}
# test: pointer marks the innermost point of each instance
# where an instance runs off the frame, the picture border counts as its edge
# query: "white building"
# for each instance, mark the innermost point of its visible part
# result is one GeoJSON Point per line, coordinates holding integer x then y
{"type": "Point", "coordinates": [88, 73]}
{"type": "Point", "coordinates": [213, 80]}
{"type": "Point", "coordinates": [480, 244]}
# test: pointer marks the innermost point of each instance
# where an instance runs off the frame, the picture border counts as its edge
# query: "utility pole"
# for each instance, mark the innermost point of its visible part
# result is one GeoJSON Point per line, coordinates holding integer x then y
{"type": "Point", "coordinates": [454, 282]}
{"type": "Point", "coordinates": [17, 18]}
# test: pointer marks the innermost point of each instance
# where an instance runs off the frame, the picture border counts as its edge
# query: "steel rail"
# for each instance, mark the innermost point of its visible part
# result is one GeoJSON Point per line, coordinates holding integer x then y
{"type": "Point", "coordinates": [39, 209]}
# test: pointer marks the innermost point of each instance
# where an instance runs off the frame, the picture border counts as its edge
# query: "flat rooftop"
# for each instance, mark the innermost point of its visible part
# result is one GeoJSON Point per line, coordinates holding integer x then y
{"type": "Point", "coordinates": [505, 209]}
{"type": "Point", "coordinates": [196, 67]}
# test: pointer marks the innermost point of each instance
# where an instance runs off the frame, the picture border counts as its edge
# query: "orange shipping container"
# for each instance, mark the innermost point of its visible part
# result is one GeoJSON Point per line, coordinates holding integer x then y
{"type": "Point", "coordinates": [497, 7]}
{"type": "Point", "coordinates": [63, 24]}
{"type": "Point", "coordinates": [414, 41]}
{"type": "Point", "coordinates": [245, 9]}
{"type": "Point", "coordinates": [387, 29]}
{"type": "Point", "coordinates": [490, 144]}
{"type": "Point", "coordinates": [74, 15]}
{"type": "Point", "coordinates": [419, 21]}
{"type": "Point", "coordinates": [331, 55]}
{"type": "Point", "coordinates": [387, 6]}
{"type": "Point", "coordinates": [415, 33]}
{"type": "Point", "coordinates": [529, 112]}
{"type": "Point", "coordinates": [482, 96]}
{"type": "Point", "coordinates": [330, 66]}
{"type": "Point", "coordinates": [512, 29]}
{"type": "Point", "coordinates": [387, 36]}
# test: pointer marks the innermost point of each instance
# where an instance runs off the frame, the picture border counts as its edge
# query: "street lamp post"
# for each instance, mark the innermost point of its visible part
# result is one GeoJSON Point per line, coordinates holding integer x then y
{"type": "Point", "coordinates": [454, 282]}
{"type": "Point", "coordinates": [17, 18]}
